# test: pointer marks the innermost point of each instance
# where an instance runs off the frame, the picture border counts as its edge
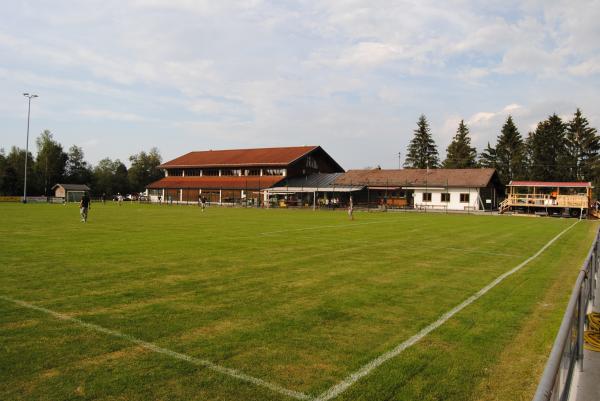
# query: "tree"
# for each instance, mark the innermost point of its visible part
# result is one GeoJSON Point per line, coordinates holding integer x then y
{"type": "Point", "coordinates": [50, 161]}
{"type": "Point", "coordinates": [77, 169]}
{"type": "Point", "coordinates": [144, 169]}
{"type": "Point", "coordinates": [103, 177]}
{"type": "Point", "coordinates": [110, 178]}
{"type": "Point", "coordinates": [2, 170]}
{"type": "Point", "coordinates": [548, 150]}
{"type": "Point", "coordinates": [528, 156]}
{"type": "Point", "coordinates": [509, 152]}
{"type": "Point", "coordinates": [487, 158]}
{"type": "Point", "coordinates": [121, 182]}
{"type": "Point", "coordinates": [459, 153]}
{"type": "Point", "coordinates": [13, 174]}
{"type": "Point", "coordinates": [583, 147]}
{"type": "Point", "coordinates": [422, 151]}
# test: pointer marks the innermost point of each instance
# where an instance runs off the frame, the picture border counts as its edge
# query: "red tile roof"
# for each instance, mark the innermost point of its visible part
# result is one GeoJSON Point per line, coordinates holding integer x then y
{"type": "Point", "coordinates": [241, 157]}
{"type": "Point", "coordinates": [572, 184]}
{"type": "Point", "coordinates": [464, 178]}
{"type": "Point", "coordinates": [223, 182]}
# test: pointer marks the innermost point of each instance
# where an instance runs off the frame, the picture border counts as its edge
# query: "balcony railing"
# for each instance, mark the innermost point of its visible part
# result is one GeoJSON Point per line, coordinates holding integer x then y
{"type": "Point", "coordinates": [542, 200]}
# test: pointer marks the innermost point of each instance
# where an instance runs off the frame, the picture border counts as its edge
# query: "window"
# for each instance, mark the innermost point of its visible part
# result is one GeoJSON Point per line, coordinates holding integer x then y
{"type": "Point", "coordinates": [464, 198]}
{"type": "Point", "coordinates": [175, 172]}
{"type": "Point", "coordinates": [254, 171]}
{"type": "Point", "coordinates": [445, 197]}
{"type": "Point", "coordinates": [426, 196]}
{"type": "Point", "coordinates": [312, 163]}
{"type": "Point", "coordinates": [227, 171]}
{"type": "Point", "coordinates": [273, 171]}
{"type": "Point", "coordinates": [193, 172]}
{"type": "Point", "coordinates": [210, 172]}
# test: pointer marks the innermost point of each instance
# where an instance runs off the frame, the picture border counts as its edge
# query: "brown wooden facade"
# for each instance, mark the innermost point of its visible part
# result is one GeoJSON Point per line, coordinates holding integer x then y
{"type": "Point", "coordinates": [236, 176]}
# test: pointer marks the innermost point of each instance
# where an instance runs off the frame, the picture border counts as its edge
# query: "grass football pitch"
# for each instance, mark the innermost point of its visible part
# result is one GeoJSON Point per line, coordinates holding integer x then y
{"type": "Point", "coordinates": [148, 302]}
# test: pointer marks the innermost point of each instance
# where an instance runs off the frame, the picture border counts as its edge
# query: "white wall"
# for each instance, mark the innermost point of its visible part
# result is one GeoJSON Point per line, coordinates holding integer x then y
{"type": "Point", "coordinates": [454, 204]}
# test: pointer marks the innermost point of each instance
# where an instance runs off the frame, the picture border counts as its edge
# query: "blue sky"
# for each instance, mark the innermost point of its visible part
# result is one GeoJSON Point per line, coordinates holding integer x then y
{"type": "Point", "coordinates": [118, 77]}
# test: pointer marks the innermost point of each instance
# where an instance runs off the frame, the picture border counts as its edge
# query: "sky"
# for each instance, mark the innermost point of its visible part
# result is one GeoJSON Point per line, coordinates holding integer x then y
{"type": "Point", "coordinates": [117, 77]}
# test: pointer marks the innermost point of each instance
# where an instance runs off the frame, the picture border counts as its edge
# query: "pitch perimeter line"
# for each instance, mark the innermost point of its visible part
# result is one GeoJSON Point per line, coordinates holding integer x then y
{"type": "Point", "coordinates": [342, 386]}
{"type": "Point", "coordinates": [160, 350]}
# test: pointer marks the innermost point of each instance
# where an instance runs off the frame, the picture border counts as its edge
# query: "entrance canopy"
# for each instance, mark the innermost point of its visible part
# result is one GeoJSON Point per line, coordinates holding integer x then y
{"type": "Point", "coordinates": [312, 183]}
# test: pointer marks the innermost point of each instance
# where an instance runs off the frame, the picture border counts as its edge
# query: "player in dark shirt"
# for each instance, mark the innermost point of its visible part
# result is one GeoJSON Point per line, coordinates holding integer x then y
{"type": "Point", "coordinates": [84, 206]}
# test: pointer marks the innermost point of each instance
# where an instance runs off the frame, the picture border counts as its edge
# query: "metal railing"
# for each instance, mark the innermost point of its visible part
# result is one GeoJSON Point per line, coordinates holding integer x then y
{"type": "Point", "coordinates": [567, 351]}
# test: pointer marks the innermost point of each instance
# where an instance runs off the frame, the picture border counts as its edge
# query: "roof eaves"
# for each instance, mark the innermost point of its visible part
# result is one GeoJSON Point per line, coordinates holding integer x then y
{"type": "Point", "coordinates": [304, 154]}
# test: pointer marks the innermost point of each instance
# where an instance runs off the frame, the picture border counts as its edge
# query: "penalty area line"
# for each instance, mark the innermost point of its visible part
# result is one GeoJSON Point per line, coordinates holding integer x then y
{"type": "Point", "coordinates": [342, 386]}
{"type": "Point", "coordinates": [164, 351]}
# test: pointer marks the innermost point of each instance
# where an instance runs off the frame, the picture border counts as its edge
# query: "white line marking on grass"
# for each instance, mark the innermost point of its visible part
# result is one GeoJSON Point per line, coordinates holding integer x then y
{"type": "Point", "coordinates": [160, 350]}
{"type": "Point", "coordinates": [342, 386]}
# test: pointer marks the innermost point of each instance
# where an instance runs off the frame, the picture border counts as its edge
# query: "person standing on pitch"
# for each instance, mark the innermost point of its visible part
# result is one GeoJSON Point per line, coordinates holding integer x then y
{"type": "Point", "coordinates": [351, 209]}
{"type": "Point", "coordinates": [84, 206]}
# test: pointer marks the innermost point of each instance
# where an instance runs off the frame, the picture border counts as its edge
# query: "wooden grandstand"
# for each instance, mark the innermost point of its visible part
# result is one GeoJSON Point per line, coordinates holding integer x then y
{"type": "Point", "coordinates": [550, 198]}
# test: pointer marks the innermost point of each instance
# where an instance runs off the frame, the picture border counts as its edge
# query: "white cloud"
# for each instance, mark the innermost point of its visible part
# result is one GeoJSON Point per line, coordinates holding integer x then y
{"type": "Point", "coordinates": [483, 117]}
{"type": "Point", "coordinates": [276, 72]}
{"type": "Point", "coordinates": [112, 115]}
{"type": "Point", "coordinates": [586, 68]}
{"type": "Point", "coordinates": [369, 54]}
{"type": "Point", "coordinates": [512, 108]}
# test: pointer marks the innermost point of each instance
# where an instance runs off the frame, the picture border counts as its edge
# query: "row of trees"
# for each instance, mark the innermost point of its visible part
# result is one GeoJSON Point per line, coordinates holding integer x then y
{"type": "Point", "coordinates": [555, 151]}
{"type": "Point", "coordinates": [52, 165]}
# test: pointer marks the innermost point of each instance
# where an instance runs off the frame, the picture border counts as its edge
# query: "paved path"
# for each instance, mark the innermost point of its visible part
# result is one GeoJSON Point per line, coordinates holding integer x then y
{"type": "Point", "coordinates": [588, 386]}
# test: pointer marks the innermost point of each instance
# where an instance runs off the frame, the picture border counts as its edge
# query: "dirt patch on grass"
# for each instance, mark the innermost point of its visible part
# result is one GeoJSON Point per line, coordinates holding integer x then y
{"type": "Point", "coordinates": [19, 325]}
{"type": "Point", "coordinates": [129, 305]}
{"type": "Point", "coordinates": [214, 329]}
{"type": "Point", "coordinates": [129, 353]}
{"type": "Point", "coordinates": [50, 373]}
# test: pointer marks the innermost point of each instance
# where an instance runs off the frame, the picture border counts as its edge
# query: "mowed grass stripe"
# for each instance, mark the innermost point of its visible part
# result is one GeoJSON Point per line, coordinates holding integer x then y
{"type": "Point", "coordinates": [334, 391]}
{"type": "Point", "coordinates": [159, 350]}
{"type": "Point", "coordinates": [302, 309]}
{"type": "Point", "coordinates": [339, 388]}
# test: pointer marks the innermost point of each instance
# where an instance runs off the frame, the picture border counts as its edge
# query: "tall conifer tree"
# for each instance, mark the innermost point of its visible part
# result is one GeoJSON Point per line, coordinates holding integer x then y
{"type": "Point", "coordinates": [487, 158]}
{"type": "Point", "coordinates": [422, 151]}
{"type": "Point", "coordinates": [549, 156]}
{"type": "Point", "coordinates": [460, 153]}
{"type": "Point", "coordinates": [509, 152]}
{"type": "Point", "coordinates": [583, 147]}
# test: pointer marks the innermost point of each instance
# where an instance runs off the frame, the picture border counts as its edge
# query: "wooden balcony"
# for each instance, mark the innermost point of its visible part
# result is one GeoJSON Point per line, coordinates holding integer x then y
{"type": "Point", "coordinates": [546, 201]}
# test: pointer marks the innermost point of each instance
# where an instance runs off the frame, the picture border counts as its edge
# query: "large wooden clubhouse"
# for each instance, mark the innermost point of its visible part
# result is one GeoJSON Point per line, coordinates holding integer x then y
{"type": "Point", "coordinates": [238, 175]}
{"type": "Point", "coordinates": [309, 176]}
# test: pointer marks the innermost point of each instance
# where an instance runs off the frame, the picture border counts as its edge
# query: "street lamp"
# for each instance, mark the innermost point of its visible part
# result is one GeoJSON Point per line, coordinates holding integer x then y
{"type": "Point", "coordinates": [28, 96]}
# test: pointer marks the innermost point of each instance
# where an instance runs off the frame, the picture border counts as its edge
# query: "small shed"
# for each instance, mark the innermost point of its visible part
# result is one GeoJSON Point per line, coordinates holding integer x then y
{"type": "Point", "coordinates": [70, 192]}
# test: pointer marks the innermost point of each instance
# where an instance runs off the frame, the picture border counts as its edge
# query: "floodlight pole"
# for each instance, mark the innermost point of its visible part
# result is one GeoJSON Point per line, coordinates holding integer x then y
{"type": "Point", "coordinates": [28, 96]}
